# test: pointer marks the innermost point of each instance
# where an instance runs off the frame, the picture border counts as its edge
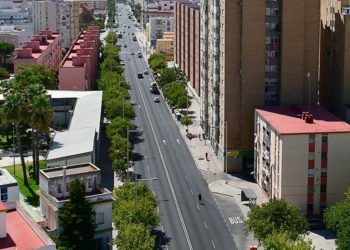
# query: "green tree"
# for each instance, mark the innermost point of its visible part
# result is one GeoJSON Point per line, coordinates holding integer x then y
{"type": "Point", "coordinates": [6, 49]}
{"type": "Point", "coordinates": [276, 216]}
{"type": "Point", "coordinates": [337, 218]}
{"type": "Point", "coordinates": [118, 107]}
{"type": "Point", "coordinates": [111, 38]}
{"type": "Point", "coordinates": [36, 74]}
{"type": "Point", "coordinates": [170, 75]}
{"type": "Point", "coordinates": [283, 241]}
{"type": "Point", "coordinates": [14, 111]}
{"type": "Point", "coordinates": [128, 192]}
{"type": "Point", "coordinates": [76, 219]}
{"type": "Point", "coordinates": [118, 126]}
{"type": "Point", "coordinates": [134, 236]}
{"type": "Point", "coordinates": [186, 120]}
{"type": "Point", "coordinates": [157, 62]}
{"type": "Point", "coordinates": [4, 74]}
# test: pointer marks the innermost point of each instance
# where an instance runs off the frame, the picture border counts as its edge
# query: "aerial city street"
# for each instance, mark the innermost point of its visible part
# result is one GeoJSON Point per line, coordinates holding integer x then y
{"type": "Point", "coordinates": [174, 124]}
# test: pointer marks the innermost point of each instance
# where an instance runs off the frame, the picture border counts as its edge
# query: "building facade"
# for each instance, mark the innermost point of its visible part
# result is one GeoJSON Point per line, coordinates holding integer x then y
{"type": "Point", "coordinates": [335, 57]}
{"type": "Point", "coordinates": [44, 48]}
{"type": "Point", "coordinates": [165, 45]}
{"type": "Point", "coordinates": [54, 193]}
{"type": "Point", "coordinates": [187, 42]}
{"type": "Point", "coordinates": [156, 28]}
{"type": "Point", "coordinates": [78, 68]}
{"type": "Point", "coordinates": [302, 156]}
{"type": "Point", "coordinates": [15, 36]}
{"type": "Point", "coordinates": [61, 16]}
{"type": "Point", "coordinates": [146, 15]}
{"type": "Point", "coordinates": [251, 57]}
{"type": "Point", "coordinates": [9, 190]}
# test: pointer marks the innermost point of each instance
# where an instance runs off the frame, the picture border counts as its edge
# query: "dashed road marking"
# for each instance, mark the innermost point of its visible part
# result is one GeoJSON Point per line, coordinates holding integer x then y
{"type": "Point", "coordinates": [212, 242]}
{"type": "Point", "coordinates": [197, 206]}
{"type": "Point", "coordinates": [191, 191]}
{"type": "Point", "coordinates": [206, 227]}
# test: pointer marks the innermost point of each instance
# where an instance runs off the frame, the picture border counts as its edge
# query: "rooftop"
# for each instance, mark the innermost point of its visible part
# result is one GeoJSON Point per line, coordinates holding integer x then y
{"type": "Point", "coordinates": [287, 120]}
{"type": "Point", "coordinates": [70, 170]}
{"type": "Point", "coordinates": [72, 142]}
{"type": "Point", "coordinates": [22, 232]}
{"type": "Point", "coordinates": [6, 179]}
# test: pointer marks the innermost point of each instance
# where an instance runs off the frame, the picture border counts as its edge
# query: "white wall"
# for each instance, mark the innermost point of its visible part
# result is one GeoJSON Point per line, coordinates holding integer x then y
{"type": "Point", "coordinates": [83, 158]}
{"type": "Point", "coordinates": [338, 170]}
{"type": "Point", "coordinates": [294, 169]}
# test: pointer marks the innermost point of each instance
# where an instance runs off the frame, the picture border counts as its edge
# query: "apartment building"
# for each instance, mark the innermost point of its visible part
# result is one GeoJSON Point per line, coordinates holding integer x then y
{"type": "Point", "coordinates": [54, 193]}
{"type": "Point", "coordinates": [254, 53]}
{"type": "Point", "coordinates": [61, 16]}
{"type": "Point", "coordinates": [187, 42]}
{"type": "Point", "coordinates": [156, 27]}
{"type": "Point", "coordinates": [146, 15]}
{"type": "Point", "coordinates": [302, 155]}
{"type": "Point", "coordinates": [335, 57]}
{"type": "Point", "coordinates": [19, 231]}
{"type": "Point", "coordinates": [17, 15]}
{"type": "Point", "coordinates": [165, 45]}
{"type": "Point", "coordinates": [13, 35]}
{"type": "Point", "coordinates": [44, 48]}
{"type": "Point", "coordinates": [78, 68]}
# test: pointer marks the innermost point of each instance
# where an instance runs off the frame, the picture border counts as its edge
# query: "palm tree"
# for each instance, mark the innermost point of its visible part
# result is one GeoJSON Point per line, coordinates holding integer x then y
{"type": "Point", "coordinates": [13, 112]}
{"type": "Point", "coordinates": [41, 118]}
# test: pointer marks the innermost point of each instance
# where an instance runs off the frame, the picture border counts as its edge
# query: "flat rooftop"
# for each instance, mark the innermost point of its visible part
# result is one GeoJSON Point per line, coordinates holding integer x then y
{"type": "Point", "coordinates": [6, 179]}
{"type": "Point", "coordinates": [70, 170]}
{"type": "Point", "coordinates": [22, 233]}
{"type": "Point", "coordinates": [286, 120]}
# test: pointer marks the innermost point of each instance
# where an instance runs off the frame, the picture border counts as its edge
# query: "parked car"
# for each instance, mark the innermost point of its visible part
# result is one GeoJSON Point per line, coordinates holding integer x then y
{"type": "Point", "coordinates": [132, 53]}
{"type": "Point", "coordinates": [125, 45]}
{"type": "Point", "coordinates": [122, 63]}
{"type": "Point", "coordinates": [145, 72]}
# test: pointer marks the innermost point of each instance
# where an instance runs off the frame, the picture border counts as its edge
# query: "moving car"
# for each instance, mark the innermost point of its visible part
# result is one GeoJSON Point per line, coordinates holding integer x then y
{"type": "Point", "coordinates": [139, 54]}
{"type": "Point", "coordinates": [156, 99]}
{"type": "Point", "coordinates": [122, 63]}
{"type": "Point", "coordinates": [145, 72]}
{"type": "Point", "coordinates": [140, 75]}
{"type": "Point", "coordinates": [132, 53]}
{"type": "Point", "coordinates": [125, 45]}
{"type": "Point", "coordinates": [134, 38]}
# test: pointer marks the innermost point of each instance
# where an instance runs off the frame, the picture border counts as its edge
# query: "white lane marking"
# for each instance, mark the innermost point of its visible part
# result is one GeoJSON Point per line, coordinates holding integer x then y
{"type": "Point", "coordinates": [165, 168]}
{"type": "Point", "coordinates": [178, 141]}
{"type": "Point", "coordinates": [191, 191]}
{"type": "Point", "coordinates": [197, 206]}
{"type": "Point", "coordinates": [206, 227]}
{"type": "Point", "coordinates": [164, 142]}
{"type": "Point", "coordinates": [148, 168]}
{"type": "Point", "coordinates": [212, 242]}
{"type": "Point", "coordinates": [158, 210]}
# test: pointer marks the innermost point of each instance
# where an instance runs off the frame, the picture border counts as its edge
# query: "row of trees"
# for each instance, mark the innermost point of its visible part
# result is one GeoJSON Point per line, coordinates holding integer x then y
{"type": "Point", "coordinates": [111, 13]}
{"type": "Point", "coordinates": [134, 214]}
{"type": "Point", "coordinates": [136, 10]}
{"type": "Point", "coordinates": [116, 103]}
{"type": "Point", "coordinates": [278, 225]}
{"type": "Point", "coordinates": [27, 107]}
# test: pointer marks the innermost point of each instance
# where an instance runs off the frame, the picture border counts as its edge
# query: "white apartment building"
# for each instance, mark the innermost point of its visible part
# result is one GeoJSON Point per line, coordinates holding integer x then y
{"type": "Point", "coordinates": [15, 36]}
{"type": "Point", "coordinates": [302, 157]}
{"type": "Point", "coordinates": [157, 26]}
{"type": "Point", "coordinates": [20, 16]}
{"type": "Point", "coordinates": [54, 193]}
{"type": "Point", "coordinates": [61, 16]}
{"type": "Point", "coordinates": [9, 190]}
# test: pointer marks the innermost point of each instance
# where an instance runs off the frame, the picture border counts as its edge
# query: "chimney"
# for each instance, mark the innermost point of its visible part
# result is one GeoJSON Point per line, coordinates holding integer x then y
{"type": "Point", "coordinates": [309, 119]}
{"type": "Point", "coordinates": [3, 210]}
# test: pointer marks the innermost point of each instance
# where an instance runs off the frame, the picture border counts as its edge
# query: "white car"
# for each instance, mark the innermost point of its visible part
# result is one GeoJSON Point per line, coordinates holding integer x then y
{"type": "Point", "coordinates": [122, 63]}
{"type": "Point", "coordinates": [156, 99]}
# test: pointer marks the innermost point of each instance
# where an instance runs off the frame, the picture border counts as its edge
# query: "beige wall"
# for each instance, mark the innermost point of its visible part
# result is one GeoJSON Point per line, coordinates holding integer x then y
{"type": "Point", "coordinates": [72, 78]}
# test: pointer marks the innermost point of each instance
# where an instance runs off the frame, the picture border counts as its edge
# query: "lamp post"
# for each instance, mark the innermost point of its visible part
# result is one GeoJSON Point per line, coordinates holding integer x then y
{"type": "Point", "coordinates": [308, 75]}
{"type": "Point", "coordinates": [13, 148]}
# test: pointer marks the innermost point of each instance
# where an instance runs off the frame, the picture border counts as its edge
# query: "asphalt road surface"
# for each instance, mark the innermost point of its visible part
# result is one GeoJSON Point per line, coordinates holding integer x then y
{"type": "Point", "coordinates": [161, 153]}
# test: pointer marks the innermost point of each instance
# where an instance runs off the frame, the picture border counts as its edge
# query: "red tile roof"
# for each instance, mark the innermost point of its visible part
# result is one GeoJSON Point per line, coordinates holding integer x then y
{"type": "Point", "coordinates": [20, 235]}
{"type": "Point", "coordinates": [286, 120]}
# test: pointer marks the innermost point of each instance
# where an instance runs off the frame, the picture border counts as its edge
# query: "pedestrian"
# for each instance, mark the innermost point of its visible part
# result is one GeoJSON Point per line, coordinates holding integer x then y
{"type": "Point", "coordinates": [199, 136]}
{"type": "Point", "coordinates": [199, 197]}
{"type": "Point", "coordinates": [206, 155]}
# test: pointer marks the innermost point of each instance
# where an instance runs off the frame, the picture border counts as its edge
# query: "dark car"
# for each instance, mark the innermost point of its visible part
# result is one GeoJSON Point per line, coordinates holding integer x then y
{"type": "Point", "coordinates": [140, 75]}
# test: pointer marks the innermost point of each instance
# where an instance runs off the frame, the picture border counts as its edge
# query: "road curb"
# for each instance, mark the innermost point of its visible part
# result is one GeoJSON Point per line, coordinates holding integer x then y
{"type": "Point", "coordinates": [215, 192]}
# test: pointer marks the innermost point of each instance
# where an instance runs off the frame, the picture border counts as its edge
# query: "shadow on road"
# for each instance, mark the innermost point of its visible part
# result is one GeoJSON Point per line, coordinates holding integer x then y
{"type": "Point", "coordinates": [161, 239]}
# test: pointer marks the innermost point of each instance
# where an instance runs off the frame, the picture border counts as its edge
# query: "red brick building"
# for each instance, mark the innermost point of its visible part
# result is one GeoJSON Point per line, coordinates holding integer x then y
{"type": "Point", "coordinates": [187, 42]}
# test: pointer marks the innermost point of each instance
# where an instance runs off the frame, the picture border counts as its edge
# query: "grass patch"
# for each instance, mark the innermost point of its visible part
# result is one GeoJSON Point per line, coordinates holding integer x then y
{"type": "Point", "coordinates": [30, 191]}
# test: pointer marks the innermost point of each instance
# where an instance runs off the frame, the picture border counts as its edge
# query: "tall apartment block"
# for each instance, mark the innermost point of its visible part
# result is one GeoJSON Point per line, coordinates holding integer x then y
{"type": "Point", "coordinates": [78, 68]}
{"type": "Point", "coordinates": [254, 53]}
{"type": "Point", "coordinates": [335, 57]}
{"type": "Point", "coordinates": [187, 42]}
{"type": "Point", "coordinates": [301, 155]}
{"type": "Point", "coordinates": [60, 15]}
{"type": "Point", "coordinates": [44, 48]}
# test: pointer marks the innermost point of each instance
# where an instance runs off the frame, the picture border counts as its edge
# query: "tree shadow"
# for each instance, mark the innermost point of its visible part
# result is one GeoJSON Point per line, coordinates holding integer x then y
{"type": "Point", "coordinates": [33, 199]}
{"type": "Point", "coordinates": [137, 156]}
{"type": "Point", "coordinates": [161, 239]}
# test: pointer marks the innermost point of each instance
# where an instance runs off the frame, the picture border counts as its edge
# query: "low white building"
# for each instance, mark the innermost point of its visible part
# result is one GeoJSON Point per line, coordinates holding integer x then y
{"type": "Point", "coordinates": [157, 26]}
{"type": "Point", "coordinates": [9, 190]}
{"type": "Point", "coordinates": [302, 157]}
{"type": "Point", "coordinates": [54, 193]}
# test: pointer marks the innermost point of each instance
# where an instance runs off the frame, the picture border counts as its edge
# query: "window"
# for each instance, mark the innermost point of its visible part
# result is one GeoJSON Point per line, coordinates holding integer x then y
{"type": "Point", "coordinates": [324, 139]}
{"type": "Point", "coordinates": [89, 183]}
{"type": "Point", "coordinates": [4, 194]}
{"type": "Point", "coordinates": [311, 138]}
{"type": "Point", "coordinates": [59, 190]}
{"type": "Point", "coordinates": [311, 155]}
{"type": "Point", "coordinates": [99, 218]}
{"type": "Point", "coordinates": [323, 188]}
{"type": "Point", "coordinates": [324, 155]}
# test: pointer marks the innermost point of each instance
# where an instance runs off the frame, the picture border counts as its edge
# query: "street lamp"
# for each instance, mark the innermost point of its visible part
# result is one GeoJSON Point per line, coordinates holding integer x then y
{"type": "Point", "coordinates": [13, 148]}
{"type": "Point", "coordinates": [308, 75]}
